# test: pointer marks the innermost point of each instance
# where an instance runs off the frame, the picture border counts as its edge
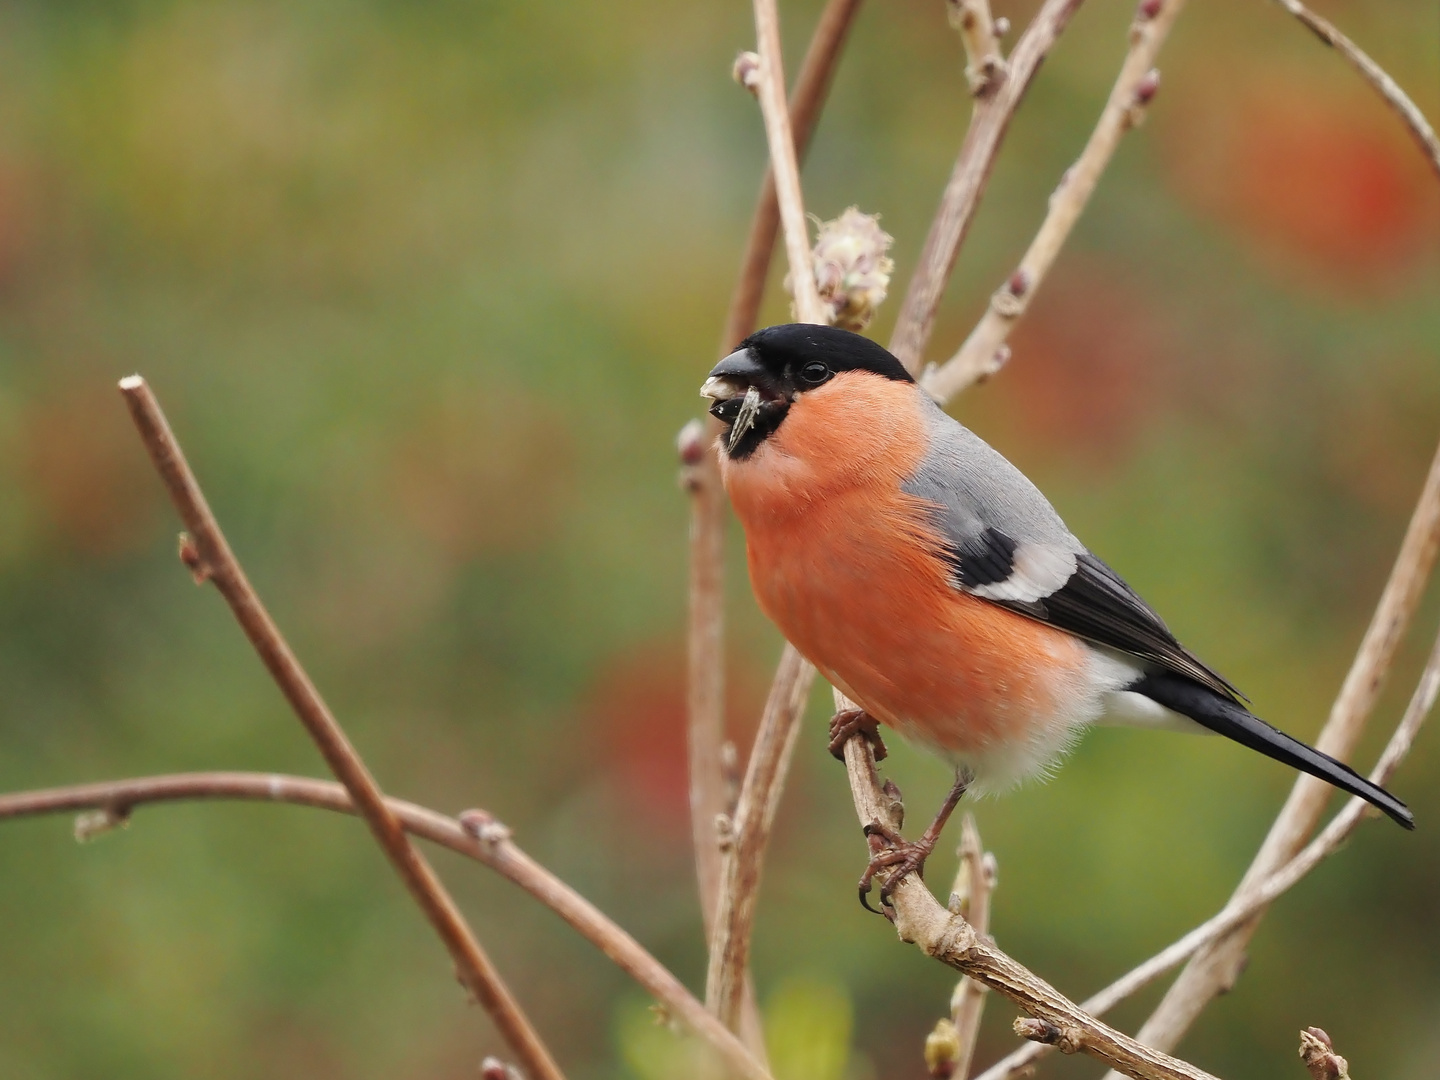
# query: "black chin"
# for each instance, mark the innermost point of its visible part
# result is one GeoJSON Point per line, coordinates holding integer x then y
{"type": "Point", "coordinates": [767, 419]}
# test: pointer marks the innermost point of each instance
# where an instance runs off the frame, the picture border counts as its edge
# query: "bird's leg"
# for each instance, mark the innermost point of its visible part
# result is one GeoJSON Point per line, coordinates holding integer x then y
{"type": "Point", "coordinates": [901, 856]}
{"type": "Point", "coordinates": [847, 723]}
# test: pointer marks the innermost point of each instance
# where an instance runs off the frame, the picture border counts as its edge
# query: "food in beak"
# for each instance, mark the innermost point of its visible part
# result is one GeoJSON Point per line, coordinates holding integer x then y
{"type": "Point", "coordinates": [749, 409]}
{"type": "Point", "coordinates": [721, 388]}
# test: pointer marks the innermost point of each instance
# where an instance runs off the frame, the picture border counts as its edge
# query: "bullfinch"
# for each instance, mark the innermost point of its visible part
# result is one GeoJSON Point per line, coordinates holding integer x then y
{"type": "Point", "coordinates": [937, 588]}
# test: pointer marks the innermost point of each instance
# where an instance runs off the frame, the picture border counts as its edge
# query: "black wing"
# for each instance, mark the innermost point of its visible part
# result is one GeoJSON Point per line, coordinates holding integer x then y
{"type": "Point", "coordinates": [1094, 603]}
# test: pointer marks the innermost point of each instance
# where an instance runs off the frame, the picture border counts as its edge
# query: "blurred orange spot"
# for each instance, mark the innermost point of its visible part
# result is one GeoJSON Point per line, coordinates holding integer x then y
{"type": "Point", "coordinates": [1321, 181]}
{"type": "Point", "coordinates": [86, 472]}
{"type": "Point", "coordinates": [636, 713]}
{"type": "Point", "coordinates": [1084, 378]}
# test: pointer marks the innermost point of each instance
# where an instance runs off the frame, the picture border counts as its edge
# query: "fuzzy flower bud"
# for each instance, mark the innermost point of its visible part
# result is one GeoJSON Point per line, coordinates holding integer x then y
{"type": "Point", "coordinates": [852, 269]}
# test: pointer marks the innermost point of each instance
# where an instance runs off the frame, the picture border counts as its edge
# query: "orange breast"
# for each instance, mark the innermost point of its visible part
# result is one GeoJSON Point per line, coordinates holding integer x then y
{"type": "Point", "coordinates": [848, 567]}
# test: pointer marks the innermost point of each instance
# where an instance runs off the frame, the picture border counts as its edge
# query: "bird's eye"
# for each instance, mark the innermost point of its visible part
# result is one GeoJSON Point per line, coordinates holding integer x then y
{"type": "Point", "coordinates": [814, 373]}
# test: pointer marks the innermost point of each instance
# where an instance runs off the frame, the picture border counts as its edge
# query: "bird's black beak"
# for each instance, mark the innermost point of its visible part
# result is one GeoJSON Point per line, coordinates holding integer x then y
{"type": "Point", "coordinates": [746, 396]}
{"type": "Point", "coordinates": [731, 377]}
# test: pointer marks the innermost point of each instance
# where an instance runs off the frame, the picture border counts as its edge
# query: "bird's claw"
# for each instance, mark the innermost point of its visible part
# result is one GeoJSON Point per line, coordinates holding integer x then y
{"type": "Point", "coordinates": [847, 723]}
{"type": "Point", "coordinates": [898, 855]}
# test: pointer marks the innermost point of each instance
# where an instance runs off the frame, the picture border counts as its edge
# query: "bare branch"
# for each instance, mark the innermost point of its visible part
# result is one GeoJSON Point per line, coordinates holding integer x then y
{"type": "Point", "coordinates": [811, 87]}
{"type": "Point", "coordinates": [1413, 119]}
{"type": "Point", "coordinates": [475, 835]}
{"type": "Point", "coordinates": [1240, 909]}
{"type": "Point", "coordinates": [1214, 970]}
{"type": "Point", "coordinates": [775, 741]}
{"type": "Point", "coordinates": [988, 124]}
{"type": "Point", "coordinates": [985, 66]}
{"type": "Point", "coordinates": [921, 920]}
{"type": "Point", "coordinates": [211, 559]}
{"type": "Point", "coordinates": [754, 818]}
{"type": "Point", "coordinates": [970, 899]}
{"type": "Point", "coordinates": [981, 355]}
{"type": "Point", "coordinates": [705, 701]}
{"type": "Point", "coordinates": [702, 474]}
{"type": "Point", "coordinates": [770, 92]}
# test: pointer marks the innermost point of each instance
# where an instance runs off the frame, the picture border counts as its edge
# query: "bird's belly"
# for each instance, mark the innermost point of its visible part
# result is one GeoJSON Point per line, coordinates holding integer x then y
{"type": "Point", "coordinates": [867, 599]}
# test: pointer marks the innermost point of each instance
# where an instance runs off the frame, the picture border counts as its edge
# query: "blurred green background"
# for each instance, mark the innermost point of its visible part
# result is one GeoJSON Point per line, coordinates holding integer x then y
{"type": "Point", "coordinates": [429, 287]}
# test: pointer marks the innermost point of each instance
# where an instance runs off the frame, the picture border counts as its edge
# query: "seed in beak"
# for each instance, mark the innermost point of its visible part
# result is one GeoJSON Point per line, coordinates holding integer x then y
{"type": "Point", "coordinates": [749, 409]}
{"type": "Point", "coordinates": [720, 388]}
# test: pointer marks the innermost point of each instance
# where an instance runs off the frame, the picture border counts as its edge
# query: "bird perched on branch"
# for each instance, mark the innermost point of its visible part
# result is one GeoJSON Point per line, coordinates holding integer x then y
{"type": "Point", "coordinates": [933, 584]}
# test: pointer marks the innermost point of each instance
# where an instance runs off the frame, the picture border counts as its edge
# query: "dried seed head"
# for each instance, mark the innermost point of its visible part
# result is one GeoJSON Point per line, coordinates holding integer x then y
{"type": "Point", "coordinates": [942, 1050]}
{"type": "Point", "coordinates": [1318, 1054]}
{"type": "Point", "coordinates": [746, 71]}
{"type": "Point", "coordinates": [852, 267]}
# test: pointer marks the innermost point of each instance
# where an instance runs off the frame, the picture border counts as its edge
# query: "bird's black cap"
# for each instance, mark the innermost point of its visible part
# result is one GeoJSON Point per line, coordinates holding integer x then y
{"type": "Point", "coordinates": [792, 345]}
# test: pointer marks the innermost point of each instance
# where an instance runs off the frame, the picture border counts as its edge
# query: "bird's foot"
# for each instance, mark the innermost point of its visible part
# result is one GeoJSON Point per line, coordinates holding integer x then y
{"type": "Point", "coordinates": [897, 855]}
{"type": "Point", "coordinates": [847, 723]}
{"type": "Point", "coordinates": [891, 852]}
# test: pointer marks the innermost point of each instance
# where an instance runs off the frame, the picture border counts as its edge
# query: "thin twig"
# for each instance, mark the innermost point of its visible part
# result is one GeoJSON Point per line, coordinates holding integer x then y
{"type": "Point", "coordinates": [775, 741]}
{"type": "Point", "coordinates": [988, 123]}
{"type": "Point", "coordinates": [921, 920]}
{"type": "Point", "coordinates": [209, 557]}
{"type": "Point", "coordinates": [702, 476]}
{"type": "Point", "coordinates": [983, 351]}
{"type": "Point", "coordinates": [1413, 119]}
{"type": "Point", "coordinates": [480, 838]}
{"type": "Point", "coordinates": [754, 818]}
{"type": "Point", "coordinates": [1214, 969]}
{"type": "Point", "coordinates": [705, 702]}
{"type": "Point", "coordinates": [984, 63]}
{"type": "Point", "coordinates": [974, 886]}
{"type": "Point", "coordinates": [770, 92]}
{"type": "Point", "coordinates": [811, 87]}
{"type": "Point", "coordinates": [1240, 909]}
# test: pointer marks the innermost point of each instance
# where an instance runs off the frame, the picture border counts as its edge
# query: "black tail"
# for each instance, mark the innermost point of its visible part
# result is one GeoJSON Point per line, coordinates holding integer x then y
{"type": "Point", "coordinates": [1234, 721]}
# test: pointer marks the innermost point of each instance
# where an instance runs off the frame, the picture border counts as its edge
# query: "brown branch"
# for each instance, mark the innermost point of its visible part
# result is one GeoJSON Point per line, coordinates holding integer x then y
{"type": "Point", "coordinates": [811, 87]}
{"type": "Point", "coordinates": [475, 835]}
{"type": "Point", "coordinates": [210, 558]}
{"type": "Point", "coordinates": [750, 834]}
{"type": "Point", "coordinates": [770, 92]}
{"type": "Point", "coordinates": [702, 475]}
{"type": "Point", "coordinates": [984, 350]}
{"type": "Point", "coordinates": [988, 123]}
{"type": "Point", "coordinates": [985, 66]}
{"type": "Point", "coordinates": [921, 920]}
{"type": "Point", "coordinates": [974, 886]}
{"type": "Point", "coordinates": [950, 1047]}
{"type": "Point", "coordinates": [705, 702]}
{"type": "Point", "coordinates": [1215, 969]}
{"type": "Point", "coordinates": [769, 763]}
{"type": "Point", "coordinates": [1239, 910]}
{"type": "Point", "coordinates": [1413, 119]}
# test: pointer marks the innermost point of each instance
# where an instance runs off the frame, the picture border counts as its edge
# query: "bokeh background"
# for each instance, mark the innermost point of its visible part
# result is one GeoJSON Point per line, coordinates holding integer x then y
{"type": "Point", "coordinates": [428, 288]}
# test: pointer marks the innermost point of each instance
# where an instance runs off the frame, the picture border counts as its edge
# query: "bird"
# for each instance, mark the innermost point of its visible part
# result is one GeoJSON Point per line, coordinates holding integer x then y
{"type": "Point", "coordinates": [934, 585]}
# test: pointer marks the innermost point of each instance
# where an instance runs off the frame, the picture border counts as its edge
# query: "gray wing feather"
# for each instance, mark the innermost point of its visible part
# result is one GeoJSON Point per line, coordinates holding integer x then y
{"type": "Point", "coordinates": [1009, 546]}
